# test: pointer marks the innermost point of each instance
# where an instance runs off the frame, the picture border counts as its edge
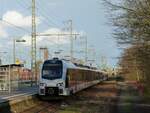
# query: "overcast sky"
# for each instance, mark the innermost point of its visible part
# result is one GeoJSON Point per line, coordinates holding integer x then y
{"type": "Point", "coordinates": [89, 18]}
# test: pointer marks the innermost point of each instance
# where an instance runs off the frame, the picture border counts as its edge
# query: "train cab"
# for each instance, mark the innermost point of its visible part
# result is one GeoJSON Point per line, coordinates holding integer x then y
{"type": "Point", "coordinates": [52, 79]}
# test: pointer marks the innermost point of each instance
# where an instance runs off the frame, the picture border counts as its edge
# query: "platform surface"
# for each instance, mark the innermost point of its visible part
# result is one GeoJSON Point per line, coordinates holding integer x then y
{"type": "Point", "coordinates": [14, 95]}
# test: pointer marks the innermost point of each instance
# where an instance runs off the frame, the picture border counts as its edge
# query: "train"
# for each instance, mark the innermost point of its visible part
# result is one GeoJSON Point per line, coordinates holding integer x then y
{"type": "Point", "coordinates": [61, 77]}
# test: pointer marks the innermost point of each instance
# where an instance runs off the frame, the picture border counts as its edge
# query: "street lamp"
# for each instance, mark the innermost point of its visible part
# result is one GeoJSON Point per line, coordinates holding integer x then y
{"type": "Point", "coordinates": [14, 47]}
{"type": "Point", "coordinates": [58, 53]}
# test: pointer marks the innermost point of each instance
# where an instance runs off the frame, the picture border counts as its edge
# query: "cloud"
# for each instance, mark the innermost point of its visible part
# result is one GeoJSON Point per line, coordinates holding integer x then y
{"type": "Point", "coordinates": [19, 19]}
{"type": "Point", "coordinates": [54, 39]}
{"type": "Point", "coordinates": [3, 32]}
{"type": "Point", "coordinates": [16, 18]}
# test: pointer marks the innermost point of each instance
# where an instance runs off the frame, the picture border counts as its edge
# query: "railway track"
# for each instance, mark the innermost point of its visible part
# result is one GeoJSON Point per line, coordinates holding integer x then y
{"type": "Point", "coordinates": [43, 107]}
{"type": "Point", "coordinates": [92, 100]}
{"type": "Point", "coordinates": [101, 98]}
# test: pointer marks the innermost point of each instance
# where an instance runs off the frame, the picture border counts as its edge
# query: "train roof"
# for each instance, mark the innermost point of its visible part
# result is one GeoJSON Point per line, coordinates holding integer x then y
{"type": "Point", "coordinates": [72, 65]}
{"type": "Point", "coordinates": [77, 65]}
{"type": "Point", "coordinates": [12, 65]}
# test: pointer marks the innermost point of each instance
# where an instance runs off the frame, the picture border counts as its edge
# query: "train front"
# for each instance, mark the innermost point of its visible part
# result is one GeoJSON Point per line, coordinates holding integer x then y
{"type": "Point", "coordinates": [52, 80]}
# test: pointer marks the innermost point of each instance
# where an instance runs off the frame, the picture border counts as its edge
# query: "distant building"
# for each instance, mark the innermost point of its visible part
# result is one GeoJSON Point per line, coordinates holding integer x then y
{"type": "Point", "coordinates": [9, 76]}
{"type": "Point", "coordinates": [25, 74]}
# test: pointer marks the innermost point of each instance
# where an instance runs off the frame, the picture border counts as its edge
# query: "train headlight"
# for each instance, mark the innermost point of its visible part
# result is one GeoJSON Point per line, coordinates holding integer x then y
{"type": "Point", "coordinates": [60, 84]}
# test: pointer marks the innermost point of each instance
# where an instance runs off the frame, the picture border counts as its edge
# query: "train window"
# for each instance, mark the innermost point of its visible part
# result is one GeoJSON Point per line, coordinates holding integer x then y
{"type": "Point", "coordinates": [52, 70]}
{"type": "Point", "coordinates": [67, 79]}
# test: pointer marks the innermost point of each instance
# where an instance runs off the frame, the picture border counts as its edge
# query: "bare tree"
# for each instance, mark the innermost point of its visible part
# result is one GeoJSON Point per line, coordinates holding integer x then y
{"type": "Point", "coordinates": [131, 21]}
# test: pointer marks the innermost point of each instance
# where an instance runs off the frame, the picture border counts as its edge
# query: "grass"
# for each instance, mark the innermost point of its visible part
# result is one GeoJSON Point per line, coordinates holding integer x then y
{"type": "Point", "coordinates": [146, 96]}
{"type": "Point", "coordinates": [83, 108]}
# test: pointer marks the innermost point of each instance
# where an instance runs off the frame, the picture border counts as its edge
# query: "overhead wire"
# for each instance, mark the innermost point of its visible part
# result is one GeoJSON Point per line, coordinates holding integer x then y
{"type": "Point", "coordinates": [44, 13]}
{"type": "Point", "coordinates": [53, 16]}
{"type": "Point", "coordinates": [18, 27]}
{"type": "Point", "coordinates": [23, 4]}
{"type": "Point", "coordinates": [7, 22]}
{"type": "Point", "coordinates": [47, 20]}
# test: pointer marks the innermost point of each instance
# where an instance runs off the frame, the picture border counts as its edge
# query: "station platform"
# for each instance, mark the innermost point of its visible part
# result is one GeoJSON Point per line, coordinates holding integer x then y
{"type": "Point", "coordinates": [18, 95]}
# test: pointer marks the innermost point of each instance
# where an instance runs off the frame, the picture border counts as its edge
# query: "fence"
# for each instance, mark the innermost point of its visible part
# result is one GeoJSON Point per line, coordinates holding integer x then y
{"type": "Point", "coordinates": [4, 79]}
{"type": "Point", "coordinates": [13, 77]}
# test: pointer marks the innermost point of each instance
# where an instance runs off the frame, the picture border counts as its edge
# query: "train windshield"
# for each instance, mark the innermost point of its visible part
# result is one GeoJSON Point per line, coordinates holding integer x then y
{"type": "Point", "coordinates": [52, 70]}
